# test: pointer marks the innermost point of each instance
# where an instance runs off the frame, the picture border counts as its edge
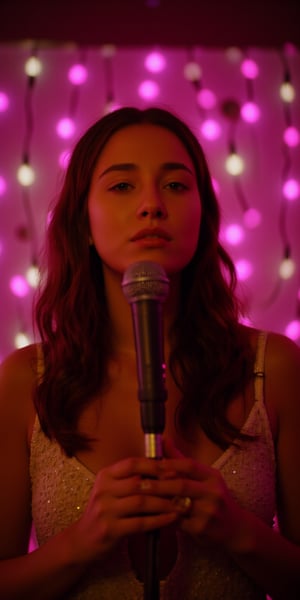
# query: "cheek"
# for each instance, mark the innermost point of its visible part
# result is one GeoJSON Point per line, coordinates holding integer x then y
{"type": "Point", "coordinates": [191, 225]}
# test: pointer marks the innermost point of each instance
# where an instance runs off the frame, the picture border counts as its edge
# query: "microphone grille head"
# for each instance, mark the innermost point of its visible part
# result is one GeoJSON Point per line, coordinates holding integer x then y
{"type": "Point", "coordinates": [145, 280]}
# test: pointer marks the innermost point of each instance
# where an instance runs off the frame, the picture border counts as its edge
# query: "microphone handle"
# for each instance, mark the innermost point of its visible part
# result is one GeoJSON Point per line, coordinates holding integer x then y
{"type": "Point", "coordinates": [151, 372]}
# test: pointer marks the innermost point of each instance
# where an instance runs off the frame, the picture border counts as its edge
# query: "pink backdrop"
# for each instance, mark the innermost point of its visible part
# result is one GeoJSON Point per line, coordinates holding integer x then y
{"type": "Point", "coordinates": [30, 109]}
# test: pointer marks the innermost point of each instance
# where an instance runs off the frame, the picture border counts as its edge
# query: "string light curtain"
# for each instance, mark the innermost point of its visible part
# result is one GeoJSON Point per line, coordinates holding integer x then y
{"type": "Point", "coordinates": [243, 106]}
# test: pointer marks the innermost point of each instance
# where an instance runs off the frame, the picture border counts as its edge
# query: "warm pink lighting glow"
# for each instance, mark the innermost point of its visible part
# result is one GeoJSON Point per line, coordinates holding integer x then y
{"type": "Point", "coordinates": [291, 189]}
{"type": "Point", "coordinates": [252, 218]}
{"type": "Point", "coordinates": [234, 234]}
{"type": "Point", "coordinates": [3, 186]}
{"type": "Point", "coordinates": [64, 158]}
{"type": "Point", "coordinates": [244, 269]}
{"type": "Point", "coordinates": [78, 74]}
{"type": "Point", "coordinates": [19, 286]}
{"type": "Point", "coordinates": [250, 112]}
{"type": "Point", "coordinates": [4, 102]}
{"type": "Point", "coordinates": [216, 186]}
{"type": "Point", "coordinates": [155, 62]}
{"type": "Point", "coordinates": [291, 136]}
{"type": "Point", "coordinates": [292, 330]}
{"type": "Point", "coordinates": [211, 129]}
{"type": "Point", "coordinates": [206, 99]}
{"type": "Point", "coordinates": [148, 90]}
{"type": "Point", "coordinates": [65, 128]}
{"type": "Point", "coordinates": [249, 68]}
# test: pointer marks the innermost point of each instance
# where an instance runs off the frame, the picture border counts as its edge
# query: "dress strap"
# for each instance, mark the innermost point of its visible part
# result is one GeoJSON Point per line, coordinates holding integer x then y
{"type": "Point", "coordinates": [259, 366]}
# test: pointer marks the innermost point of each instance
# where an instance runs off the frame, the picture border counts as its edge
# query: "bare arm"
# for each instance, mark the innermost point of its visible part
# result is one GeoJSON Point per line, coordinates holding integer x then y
{"type": "Point", "coordinates": [47, 572]}
{"type": "Point", "coordinates": [273, 559]}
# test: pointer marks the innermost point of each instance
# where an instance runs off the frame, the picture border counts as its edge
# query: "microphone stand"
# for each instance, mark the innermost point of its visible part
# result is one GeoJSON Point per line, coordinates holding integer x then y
{"type": "Point", "coordinates": [153, 449]}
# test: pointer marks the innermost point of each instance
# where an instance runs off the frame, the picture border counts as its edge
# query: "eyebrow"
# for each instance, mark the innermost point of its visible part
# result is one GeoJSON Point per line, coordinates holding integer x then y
{"type": "Point", "coordinates": [168, 166]}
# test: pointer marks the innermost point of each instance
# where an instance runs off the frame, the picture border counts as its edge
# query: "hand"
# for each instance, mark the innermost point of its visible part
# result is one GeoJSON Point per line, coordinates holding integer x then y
{"type": "Point", "coordinates": [213, 512]}
{"type": "Point", "coordinates": [127, 497]}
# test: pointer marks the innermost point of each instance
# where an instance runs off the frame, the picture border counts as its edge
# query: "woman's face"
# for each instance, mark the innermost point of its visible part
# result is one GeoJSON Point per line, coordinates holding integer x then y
{"type": "Point", "coordinates": [144, 202]}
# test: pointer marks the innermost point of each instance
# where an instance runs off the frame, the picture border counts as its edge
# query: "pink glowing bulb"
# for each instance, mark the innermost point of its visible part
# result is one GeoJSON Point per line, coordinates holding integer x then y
{"type": "Point", "coordinates": [234, 234]}
{"type": "Point", "coordinates": [3, 186]}
{"type": "Point", "coordinates": [244, 269]}
{"type": "Point", "coordinates": [19, 286]}
{"type": "Point", "coordinates": [155, 62]}
{"type": "Point", "coordinates": [148, 90]}
{"type": "Point", "coordinates": [206, 99]}
{"type": "Point", "coordinates": [78, 74]}
{"type": "Point", "coordinates": [249, 68]}
{"type": "Point", "coordinates": [292, 330]}
{"type": "Point", "coordinates": [4, 102]}
{"type": "Point", "coordinates": [65, 128]}
{"type": "Point", "coordinates": [291, 137]}
{"type": "Point", "coordinates": [211, 129]}
{"type": "Point", "coordinates": [291, 189]}
{"type": "Point", "coordinates": [250, 112]}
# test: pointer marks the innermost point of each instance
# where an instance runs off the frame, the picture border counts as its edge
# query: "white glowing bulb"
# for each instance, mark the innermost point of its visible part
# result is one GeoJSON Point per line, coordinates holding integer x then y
{"type": "Point", "coordinates": [287, 268]}
{"type": "Point", "coordinates": [21, 340]}
{"type": "Point", "coordinates": [234, 164]}
{"type": "Point", "coordinates": [26, 175]}
{"type": "Point", "coordinates": [33, 276]}
{"type": "Point", "coordinates": [108, 50]}
{"type": "Point", "coordinates": [33, 66]}
{"type": "Point", "coordinates": [287, 92]}
{"type": "Point", "coordinates": [192, 71]}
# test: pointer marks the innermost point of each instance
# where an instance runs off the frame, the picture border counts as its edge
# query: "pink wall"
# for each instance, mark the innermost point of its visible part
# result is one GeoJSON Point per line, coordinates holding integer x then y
{"type": "Point", "coordinates": [269, 162]}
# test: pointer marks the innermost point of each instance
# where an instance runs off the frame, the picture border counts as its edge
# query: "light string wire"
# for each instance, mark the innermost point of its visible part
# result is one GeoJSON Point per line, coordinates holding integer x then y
{"type": "Point", "coordinates": [26, 160]}
{"type": "Point", "coordinates": [283, 208]}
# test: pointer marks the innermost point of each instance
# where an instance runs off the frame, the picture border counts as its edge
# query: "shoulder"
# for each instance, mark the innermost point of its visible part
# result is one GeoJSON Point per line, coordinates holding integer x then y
{"type": "Point", "coordinates": [18, 377]}
{"type": "Point", "coordinates": [282, 375]}
{"type": "Point", "coordinates": [20, 365]}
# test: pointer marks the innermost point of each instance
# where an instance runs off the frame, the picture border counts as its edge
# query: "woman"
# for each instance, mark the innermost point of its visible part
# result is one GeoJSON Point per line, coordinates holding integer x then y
{"type": "Point", "coordinates": [72, 447]}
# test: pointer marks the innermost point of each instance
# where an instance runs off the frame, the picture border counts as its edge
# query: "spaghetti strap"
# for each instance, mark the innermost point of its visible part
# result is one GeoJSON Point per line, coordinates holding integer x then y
{"type": "Point", "coordinates": [259, 366]}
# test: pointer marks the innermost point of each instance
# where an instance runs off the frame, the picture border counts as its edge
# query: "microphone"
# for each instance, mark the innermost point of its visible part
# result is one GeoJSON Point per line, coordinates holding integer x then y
{"type": "Point", "coordinates": [146, 286]}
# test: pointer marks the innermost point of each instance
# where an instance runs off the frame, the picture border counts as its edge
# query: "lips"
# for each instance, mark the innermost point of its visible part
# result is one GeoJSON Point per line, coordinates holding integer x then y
{"type": "Point", "coordinates": [154, 233]}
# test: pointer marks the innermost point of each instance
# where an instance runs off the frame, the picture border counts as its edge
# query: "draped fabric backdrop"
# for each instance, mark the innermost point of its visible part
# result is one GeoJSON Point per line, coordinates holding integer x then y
{"type": "Point", "coordinates": [243, 106]}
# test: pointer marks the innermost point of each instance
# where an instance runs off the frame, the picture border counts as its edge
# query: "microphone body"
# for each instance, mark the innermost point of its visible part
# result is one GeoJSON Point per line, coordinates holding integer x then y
{"type": "Point", "coordinates": [145, 286]}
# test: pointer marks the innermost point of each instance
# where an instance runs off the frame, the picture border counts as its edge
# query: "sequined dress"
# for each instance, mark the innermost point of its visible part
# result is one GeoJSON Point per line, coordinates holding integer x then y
{"type": "Point", "coordinates": [61, 487]}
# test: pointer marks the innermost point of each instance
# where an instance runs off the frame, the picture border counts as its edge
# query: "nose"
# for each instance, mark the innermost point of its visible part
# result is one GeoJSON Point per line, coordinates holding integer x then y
{"type": "Point", "coordinates": [153, 207]}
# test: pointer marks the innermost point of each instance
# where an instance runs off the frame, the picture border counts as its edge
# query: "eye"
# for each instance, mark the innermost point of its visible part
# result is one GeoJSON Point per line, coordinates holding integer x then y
{"type": "Point", "coordinates": [122, 186]}
{"type": "Point", "coordinates": [177, 186]}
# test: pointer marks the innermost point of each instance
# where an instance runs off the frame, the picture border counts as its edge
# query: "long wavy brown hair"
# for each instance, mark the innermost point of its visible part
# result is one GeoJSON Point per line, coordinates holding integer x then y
{"type": "Point", "coordinates": [211, 359]}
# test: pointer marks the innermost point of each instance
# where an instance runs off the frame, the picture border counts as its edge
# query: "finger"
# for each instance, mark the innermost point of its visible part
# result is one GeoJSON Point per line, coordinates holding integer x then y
{"type": "Point", "coordinates": [186, 467]}
{"type": "Point", "coordinates": [135, 466]}
{"type": "Point", "coordinates": [142, 524]}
